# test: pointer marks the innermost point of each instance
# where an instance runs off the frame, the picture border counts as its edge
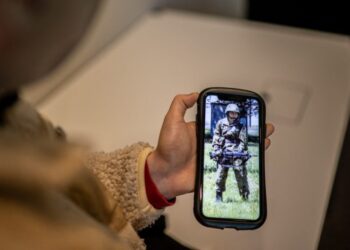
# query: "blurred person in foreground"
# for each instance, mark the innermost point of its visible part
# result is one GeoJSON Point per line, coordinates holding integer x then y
{"type": "Point", "coordinates": [54, 194]}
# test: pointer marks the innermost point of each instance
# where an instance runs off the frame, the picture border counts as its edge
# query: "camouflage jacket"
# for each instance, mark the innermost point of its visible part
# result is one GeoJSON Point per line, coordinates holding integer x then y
{"type": "Point", "coordinates": [229, 137]}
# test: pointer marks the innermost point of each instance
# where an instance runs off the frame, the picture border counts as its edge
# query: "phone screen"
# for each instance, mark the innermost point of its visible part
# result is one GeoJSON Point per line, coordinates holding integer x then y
{"type": "Point", "coordinates": [231, 164]}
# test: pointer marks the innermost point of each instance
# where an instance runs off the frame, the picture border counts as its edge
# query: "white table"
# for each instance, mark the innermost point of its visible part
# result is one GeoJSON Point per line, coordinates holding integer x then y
{"type": "Point", "coordinates": [123, 94]}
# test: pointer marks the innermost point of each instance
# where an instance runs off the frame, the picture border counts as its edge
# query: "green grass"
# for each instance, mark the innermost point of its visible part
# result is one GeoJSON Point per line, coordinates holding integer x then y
{"type": "Point", "coordinates": [232, 206]}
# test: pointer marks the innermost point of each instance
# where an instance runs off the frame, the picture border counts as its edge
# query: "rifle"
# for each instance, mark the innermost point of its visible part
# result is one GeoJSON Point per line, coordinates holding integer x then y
{"type": "Point", "coordinates": [244, 156]}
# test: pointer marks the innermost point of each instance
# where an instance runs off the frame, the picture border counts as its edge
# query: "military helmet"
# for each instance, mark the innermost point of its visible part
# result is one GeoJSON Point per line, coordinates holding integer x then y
{"type": "Point", "coordinates": [232, 108]}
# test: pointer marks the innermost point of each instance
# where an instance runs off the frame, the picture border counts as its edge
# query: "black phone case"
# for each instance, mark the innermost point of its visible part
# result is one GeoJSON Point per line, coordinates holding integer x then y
{"type": "Point", "coordinates": [228, 223]}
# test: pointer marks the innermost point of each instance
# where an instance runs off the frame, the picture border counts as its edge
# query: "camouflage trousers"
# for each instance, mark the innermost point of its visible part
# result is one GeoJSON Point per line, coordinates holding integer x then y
{"type": "Point", "coordinates": [241, 178]}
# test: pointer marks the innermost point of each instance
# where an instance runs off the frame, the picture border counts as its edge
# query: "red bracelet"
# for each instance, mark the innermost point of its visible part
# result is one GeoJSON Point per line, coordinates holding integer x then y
{"type": "Point", "coordinates": [154, 197]}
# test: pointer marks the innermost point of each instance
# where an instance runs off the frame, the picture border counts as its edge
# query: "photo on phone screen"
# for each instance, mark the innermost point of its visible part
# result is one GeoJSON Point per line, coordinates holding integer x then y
{"type": "Point", "coordinates": [231, 172]}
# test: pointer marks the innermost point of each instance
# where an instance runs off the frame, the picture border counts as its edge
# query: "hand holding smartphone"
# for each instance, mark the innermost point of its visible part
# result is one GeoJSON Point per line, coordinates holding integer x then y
{"type": "Point", "coordinates": [230, 180]}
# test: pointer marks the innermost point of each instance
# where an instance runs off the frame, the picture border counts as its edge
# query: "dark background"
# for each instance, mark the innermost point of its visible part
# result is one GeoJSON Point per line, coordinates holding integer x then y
{"type": "Point", "coordinates": [329, 16]}
{"type": "Point", "coordinates": [336, 228]}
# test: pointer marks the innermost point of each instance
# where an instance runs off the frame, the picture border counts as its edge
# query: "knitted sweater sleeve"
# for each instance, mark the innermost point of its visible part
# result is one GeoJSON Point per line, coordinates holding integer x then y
{"type": "Point", "coordinates": [122, 174]}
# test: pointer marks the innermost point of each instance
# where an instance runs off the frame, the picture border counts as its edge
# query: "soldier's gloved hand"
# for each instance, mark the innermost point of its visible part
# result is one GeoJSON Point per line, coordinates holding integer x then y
{"type": "Point", "coordinates": [227, 135]}
{"type": "Point", "coordinates": [231, 133]}
{"type": "Point", "coordinates": [218, 152]}
{"type": "Point", "coordinates": [240, 148]}
{"type": "Point", "coordinates": [216, 147]}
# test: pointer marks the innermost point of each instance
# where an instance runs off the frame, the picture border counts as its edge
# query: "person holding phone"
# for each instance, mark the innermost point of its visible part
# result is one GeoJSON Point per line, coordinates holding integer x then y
{"type": "Point", "coordinates": [54, 194]}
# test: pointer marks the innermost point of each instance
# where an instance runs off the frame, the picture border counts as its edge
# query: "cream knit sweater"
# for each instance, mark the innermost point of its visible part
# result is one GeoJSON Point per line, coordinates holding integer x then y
{"type": "Point", "coordinates": [53, 195]}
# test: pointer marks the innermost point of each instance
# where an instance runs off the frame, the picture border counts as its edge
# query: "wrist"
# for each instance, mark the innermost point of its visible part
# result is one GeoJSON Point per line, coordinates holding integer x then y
{"type": "Point", "coordinates": [158, 169]}
{"type": "Point", "coordinates": [155, 198]}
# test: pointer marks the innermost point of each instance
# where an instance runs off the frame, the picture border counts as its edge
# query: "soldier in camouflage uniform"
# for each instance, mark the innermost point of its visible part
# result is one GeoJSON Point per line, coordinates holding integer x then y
{"type": "Point", "coordinates": [230, 136]}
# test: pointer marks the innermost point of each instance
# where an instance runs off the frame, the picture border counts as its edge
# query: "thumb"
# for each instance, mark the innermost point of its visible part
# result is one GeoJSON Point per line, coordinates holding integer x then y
{"type": "Point", "coordinates": [179, 106]}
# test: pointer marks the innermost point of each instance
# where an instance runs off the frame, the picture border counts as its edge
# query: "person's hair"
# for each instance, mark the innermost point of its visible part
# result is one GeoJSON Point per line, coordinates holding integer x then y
{"type": "Point", "coordinates": [36, 35]}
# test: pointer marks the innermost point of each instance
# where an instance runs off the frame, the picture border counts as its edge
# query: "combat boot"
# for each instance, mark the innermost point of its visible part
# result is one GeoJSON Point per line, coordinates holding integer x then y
{"type": "Point", "coordinates": [218, 197]}
{"type": "Point", "coordinates": [245, 196]}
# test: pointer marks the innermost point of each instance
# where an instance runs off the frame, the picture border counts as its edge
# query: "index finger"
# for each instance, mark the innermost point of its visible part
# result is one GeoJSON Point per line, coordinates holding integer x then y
{"type": "Point", "coordinates": [269, 129]}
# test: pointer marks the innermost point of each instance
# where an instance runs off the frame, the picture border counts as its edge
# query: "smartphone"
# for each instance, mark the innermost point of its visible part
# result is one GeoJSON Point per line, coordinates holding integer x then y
{"type": "Point", "coordinates": [230, 179]}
